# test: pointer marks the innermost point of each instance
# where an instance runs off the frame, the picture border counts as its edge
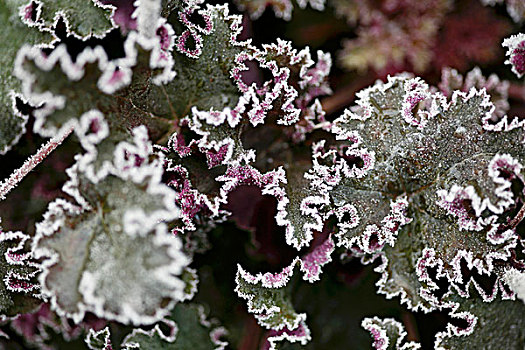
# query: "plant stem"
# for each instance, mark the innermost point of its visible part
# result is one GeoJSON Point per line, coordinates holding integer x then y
{"type": "Point", "coordinates": [517, 219]}
{"type": "Point", "coordinates": [8, 184]}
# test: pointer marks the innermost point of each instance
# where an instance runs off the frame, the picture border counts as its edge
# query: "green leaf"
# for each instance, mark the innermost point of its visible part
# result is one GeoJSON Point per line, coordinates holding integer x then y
{"type": "Point", "coordinates": [78, 93]}
{"type": "Point", "coordinates": [19, 288]}
{"type": "Point", "coordinates": [192, 332]}
{"type": "Point", "coordinates": [95, 19]}
{"type": "Point", "coordinates": [112, 255]}
{"type": "Point", "coordinates": [268, 297]}
{"type": "Point", "coordinates": [388, 334]}
{"type": "Point", "coordinates": [457, 166]}
{"type": "Point", "coordinates": [13, 34]}
{"type": "Point", "coordinates": [202, 82]}
{"type": "Point", "coordinates": [498, 325]}
{"type": "Point", "coordinates": [99, 340]}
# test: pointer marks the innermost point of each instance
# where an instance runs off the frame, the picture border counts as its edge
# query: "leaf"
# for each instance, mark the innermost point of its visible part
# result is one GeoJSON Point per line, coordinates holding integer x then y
{"type": "Point", "coordinates": [95, 19]}
{"type": "Point", "coordinates": [297, 211]}
{"type": "Point", "coordinates": [268, 298]}
{"type": "Point", "coordinates": [388, 334]}
{"type": "Point", "coordinates": [19, 289]}
{"type": "Point", "coordinates": [223, 102]}
{"type": "Point", "coordinates": [49, 79]}
{"type": "Point", "coordinates": [384, 40]}
{"type": "Point", "coordinates": [43, 328]}
{"type": "Point", "coordinates": [192, 331]}
{"type": "Point", "coordinates": [497, 89]}
{"type": "Point", "coordinates": [101, 116]}
{"type": "Point", "coordinates": [126, 278]}
{"type": "Point", "coordinates": [486, 323]}
{"type": "Point", "coordinates": [203, 80]}
{"type": "Point", "coordinates": [112, 255]}
{"type": "Point", "coordinates": [516, 53]}
{"type": "Point", "coordinates": [13, 34]}
{"type": "Point", "coordinates": [442, 165]}
{"type": "Point", "coordinates": [99, 340]}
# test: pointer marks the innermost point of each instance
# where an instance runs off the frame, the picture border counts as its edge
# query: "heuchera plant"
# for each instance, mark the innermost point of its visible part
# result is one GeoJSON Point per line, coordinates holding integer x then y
{"type": "Point", "coordinates": [179, 177]}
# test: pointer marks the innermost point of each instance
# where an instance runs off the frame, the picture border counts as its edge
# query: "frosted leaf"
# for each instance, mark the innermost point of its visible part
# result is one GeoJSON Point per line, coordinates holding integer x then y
{"type": "Point", "coordinates": [49, 79]}
{"type": "Point", "coordinates": [415, 157]}
{"type": "Point", "coordinates": [191, 330]}
{"type": "Point", "coordinates": [313, 261]}
{"type": "Point", "coordinates": [301, 334]}
{"type": "Point", "coordinates": [281, 8]}
{"type": "Point", "coordinates": [451, 173]}
{"type": "Point", "coordinates": [217, 119]}
{"type": "Point", "coordinates": [96, 18]}
{"type": "Point", "coordinates": [299, 210]}
{"type": "Point", "coordinates": [40, 327]}
{"type": "Point", "coordinates": [89, 267]}
{"type": "Point", "coordinates": [296, 204]}
{"type": "Point", "coordinates": [203, 73]}
{"type": "Point", "coordinates": [388, 334]}
{"type": "Point", "coordinates": [482, 324]}
{"type": "Point", "coordinates": [203, 184]}
{"type": "Point", "coordinates": [101, 117]}
{"type": "Point", "coordinates": [452, 80]}
{"type": "Point", "coordinates": [268, 299]}
{"type": "Point", "coordinates": [424, 276]}
{"type": "Point", "coordinates": [516, 53]}
{"type": "Point", "coordinates": [13, 34]}
{"type": "Point", "coordinates": [90, 272]}
{"type": "Point", "coordinates": [92, 248]}
{"type": "Point", "coordinates": [208, 53]}
{"type": "Point", "coordinates": [294, 84]}
{"type": "Point", "coordinates": [99, 340]}
{"type": "Point", "coordinates": [296, 80]}
{"type": "Point", "coordinates": [19, 288]}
